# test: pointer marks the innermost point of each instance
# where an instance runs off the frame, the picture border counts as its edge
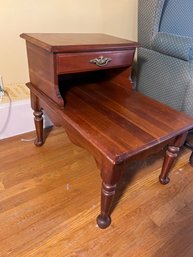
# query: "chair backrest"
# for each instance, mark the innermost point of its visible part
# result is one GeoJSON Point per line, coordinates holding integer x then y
{"type": "Point", "coordinates": [177, 17]}
{"type": "Point", "coordinates": [149, 15]}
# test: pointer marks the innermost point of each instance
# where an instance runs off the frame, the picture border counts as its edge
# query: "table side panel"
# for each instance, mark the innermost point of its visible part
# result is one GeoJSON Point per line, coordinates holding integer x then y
{"type": "Point", "coordinates": [42, 72]}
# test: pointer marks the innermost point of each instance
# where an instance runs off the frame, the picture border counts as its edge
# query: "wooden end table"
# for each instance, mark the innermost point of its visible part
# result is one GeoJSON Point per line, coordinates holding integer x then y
{"type": "Point", "coordinates": [83, 82]}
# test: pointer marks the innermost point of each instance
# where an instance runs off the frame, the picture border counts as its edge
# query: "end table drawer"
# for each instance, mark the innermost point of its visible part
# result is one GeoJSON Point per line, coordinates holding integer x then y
{"type": "Point", "coordinates": [70, 63]}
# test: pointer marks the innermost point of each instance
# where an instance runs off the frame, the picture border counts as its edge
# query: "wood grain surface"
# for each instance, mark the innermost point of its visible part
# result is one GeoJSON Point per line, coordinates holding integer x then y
{"type": "Point", "coordinates": [115, 125]}
{"type": "Point", "coordinates": [118, 122]}
{"type": "Point", "coordinates": [49, 198]}
{"type": "Point", "coordinates": [72, 42]}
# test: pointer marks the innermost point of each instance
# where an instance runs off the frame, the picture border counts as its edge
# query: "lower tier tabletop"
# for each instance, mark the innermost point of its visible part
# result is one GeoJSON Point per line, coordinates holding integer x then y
{"type": "Point", "coordinates": [121, 123]}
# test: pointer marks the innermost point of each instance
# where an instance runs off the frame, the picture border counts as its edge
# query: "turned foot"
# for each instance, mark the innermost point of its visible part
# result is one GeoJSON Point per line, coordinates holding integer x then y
{"type": "Point", "coordinates": [164, 180]}
{"type": "Point", "coordinates": [38, 142]}
{"type": "Point", "coordinates": [103, 221]}
{"type": "Point", "coordinates": [38, 120]}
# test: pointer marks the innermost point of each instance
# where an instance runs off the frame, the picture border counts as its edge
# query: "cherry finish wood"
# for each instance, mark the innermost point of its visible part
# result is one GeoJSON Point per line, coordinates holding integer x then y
{"type": "Point", "coordinates": [79, 42]}
{"type": "Point", "coordinates": [100, 111]}
{"type": "Point", "coordinates": [53, 54]}
{"type": "Point", "coordinates": [171, 153]}
{"type": "Point", "coordinates": [80, 62]}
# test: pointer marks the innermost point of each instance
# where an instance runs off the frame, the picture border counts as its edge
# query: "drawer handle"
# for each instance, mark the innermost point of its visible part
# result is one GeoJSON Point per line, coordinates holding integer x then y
{"type": "Point", "coordinates": [101, 61]}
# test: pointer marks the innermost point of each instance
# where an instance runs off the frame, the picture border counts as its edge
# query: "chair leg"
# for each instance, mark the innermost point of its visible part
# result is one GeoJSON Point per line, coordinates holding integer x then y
{"type": "Point", "coordinates": [170, 156]}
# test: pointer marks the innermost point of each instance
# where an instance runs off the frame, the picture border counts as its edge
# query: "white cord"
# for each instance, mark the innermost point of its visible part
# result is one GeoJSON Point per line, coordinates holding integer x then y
{"type": "Point", "coordinates": [1, 94]}
{"type": "Point", "coordinates": [2, 91]}
{"type": "Point", "coordinates": [28, 139]}
{"type": "Point", "coordinates": [9, 111]}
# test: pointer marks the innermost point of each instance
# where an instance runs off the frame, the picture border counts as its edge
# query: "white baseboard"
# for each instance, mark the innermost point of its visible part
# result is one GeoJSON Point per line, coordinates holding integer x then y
{"type": "Point", "coordinates": [15, 118]}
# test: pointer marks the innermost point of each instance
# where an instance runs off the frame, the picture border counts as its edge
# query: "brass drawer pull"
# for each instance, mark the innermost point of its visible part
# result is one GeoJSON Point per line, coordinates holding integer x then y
{"type": "Point", "coordinates": [101, 61]}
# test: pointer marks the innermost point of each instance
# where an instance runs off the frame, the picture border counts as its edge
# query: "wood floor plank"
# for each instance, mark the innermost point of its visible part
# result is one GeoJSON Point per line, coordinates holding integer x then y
{"type": "Point", "coordinates": [50, 196]}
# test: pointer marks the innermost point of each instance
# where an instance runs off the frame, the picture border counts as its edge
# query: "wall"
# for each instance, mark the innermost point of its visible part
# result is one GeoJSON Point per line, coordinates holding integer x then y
{"type": "Point", "coordinates": [120, 18]}
{"type": "Point", "coordinates": [113, 17]}
{"type": "Point", "coordinates": [40, 16]}
{"type": "Point", "coordinates": [109, 16]}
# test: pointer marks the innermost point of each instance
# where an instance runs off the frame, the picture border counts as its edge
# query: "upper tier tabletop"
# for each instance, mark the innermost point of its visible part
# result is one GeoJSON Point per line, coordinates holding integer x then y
{"type": "Point", "coordinates": [77, 42]}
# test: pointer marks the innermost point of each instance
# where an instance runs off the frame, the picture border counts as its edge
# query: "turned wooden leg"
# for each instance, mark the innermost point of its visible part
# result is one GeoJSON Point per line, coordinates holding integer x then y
{"type": "Point", "coordinates": [38, 120]}
{"type": "Point", "coordinates": [107, 195]}
{"type": "Point", "coordinates": [109, 184]}
{"type": "Point", "coordinates": [171, 154]}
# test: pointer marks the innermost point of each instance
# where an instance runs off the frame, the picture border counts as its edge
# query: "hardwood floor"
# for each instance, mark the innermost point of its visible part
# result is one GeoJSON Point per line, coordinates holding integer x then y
{"type": "Point", "coordinates": [49, 200]}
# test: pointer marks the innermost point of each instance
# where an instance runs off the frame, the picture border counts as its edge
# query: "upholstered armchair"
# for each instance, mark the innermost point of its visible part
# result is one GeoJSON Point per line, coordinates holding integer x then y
{"type": "Point", "coordinates": [165, 58]}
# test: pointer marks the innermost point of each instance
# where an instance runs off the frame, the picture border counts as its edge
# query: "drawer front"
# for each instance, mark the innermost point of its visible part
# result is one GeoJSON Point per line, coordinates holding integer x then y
{"type": "Point", "coordinates": [79, 62]}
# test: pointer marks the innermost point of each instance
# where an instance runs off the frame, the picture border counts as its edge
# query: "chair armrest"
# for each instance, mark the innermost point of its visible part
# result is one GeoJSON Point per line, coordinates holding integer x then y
{"type": "Point", "coordinates": [174, 45]}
